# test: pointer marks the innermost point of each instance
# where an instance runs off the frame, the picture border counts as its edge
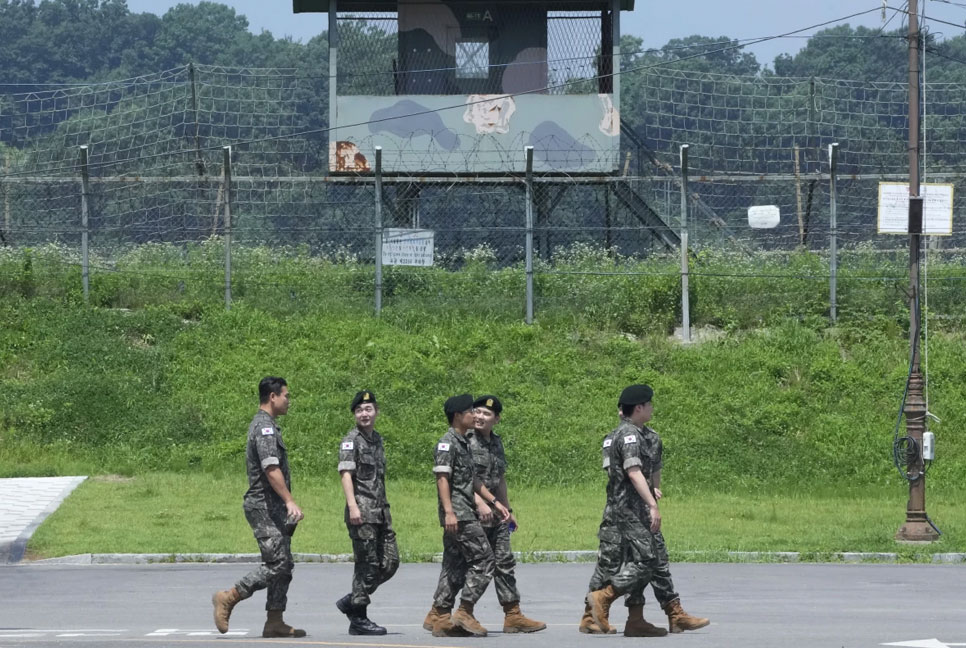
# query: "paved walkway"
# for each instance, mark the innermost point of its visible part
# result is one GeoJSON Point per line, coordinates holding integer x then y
{"type": "Point", "coordinates": [24, 503]}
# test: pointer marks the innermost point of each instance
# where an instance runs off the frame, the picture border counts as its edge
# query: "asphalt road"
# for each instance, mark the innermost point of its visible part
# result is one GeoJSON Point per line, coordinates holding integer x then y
{"type": "Point", "coordinates": [750, 605]}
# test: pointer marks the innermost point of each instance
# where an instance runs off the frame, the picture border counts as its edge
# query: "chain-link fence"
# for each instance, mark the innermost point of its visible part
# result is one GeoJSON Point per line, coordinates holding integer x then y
{"type": "Point", "coordinates": [162, 212]}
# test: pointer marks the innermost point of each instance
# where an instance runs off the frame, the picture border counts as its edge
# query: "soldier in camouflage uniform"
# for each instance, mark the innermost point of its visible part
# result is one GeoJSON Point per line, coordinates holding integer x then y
{"type": "Point", "coordinates": [362, 465]}
{"type": "Point", "coordinates": [467, 555]}
{"type": "Point", "coordinates": [271, 512]}
{"type": "Point", "coordinates": [490, 461]}
{"type": "Point", "coordinates": [635, 457]}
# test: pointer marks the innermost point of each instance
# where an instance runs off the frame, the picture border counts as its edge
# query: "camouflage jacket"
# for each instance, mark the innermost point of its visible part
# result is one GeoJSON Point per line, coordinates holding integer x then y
{"type": "Point", "coordinates": [631, 446]}
{"type": "Point", "coordinates": [265, 448]}
{"type": "Point", "coordinates": [490, 462]}
{"type": "Point", "coordinates": [365, 458]}
{"type": "Point", "coordinates": [607, 520]}
{"type": "Point", "coordinates": [455, 458]}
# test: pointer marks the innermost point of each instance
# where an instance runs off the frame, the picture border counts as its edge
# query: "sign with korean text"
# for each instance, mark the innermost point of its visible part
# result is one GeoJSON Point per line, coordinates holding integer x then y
{"type": "Point", "coordinates": [937, 208]}
{"type": "Point", "coordinates": [407, 247]}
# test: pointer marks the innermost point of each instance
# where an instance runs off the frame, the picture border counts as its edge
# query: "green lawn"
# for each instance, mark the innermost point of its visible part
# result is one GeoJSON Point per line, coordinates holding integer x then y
{"type": "Point", "coordinates": [189, 513]}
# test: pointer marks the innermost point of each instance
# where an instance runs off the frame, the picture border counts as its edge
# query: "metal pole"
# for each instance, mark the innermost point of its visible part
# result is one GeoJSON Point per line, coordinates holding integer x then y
{"type": "Point", "coordinates": [378, 226]}
{"type": "Point", "coordinates": [685, 300]}
{"type": "Point", "coordinates": [833, 161]}
{"type": "Point", "coordinates": [529, 237]}
{"type": "Point", "coordinates": [227, 166]}
{"type": "Point", "coordinates": [917, 527]}
{"type": "Point", "coordinates": [85, 229]}
{"type": "Point", "coordinates": [333, 74]}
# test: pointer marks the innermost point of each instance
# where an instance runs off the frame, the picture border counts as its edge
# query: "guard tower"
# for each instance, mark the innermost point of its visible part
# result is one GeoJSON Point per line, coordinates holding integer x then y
{"type": "Point", "coordinates": [461, 87]}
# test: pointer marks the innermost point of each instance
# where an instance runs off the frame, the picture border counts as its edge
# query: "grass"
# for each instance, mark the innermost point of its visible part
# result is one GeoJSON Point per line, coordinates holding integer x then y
{"type": "Point", "coordinates": [190, 513]}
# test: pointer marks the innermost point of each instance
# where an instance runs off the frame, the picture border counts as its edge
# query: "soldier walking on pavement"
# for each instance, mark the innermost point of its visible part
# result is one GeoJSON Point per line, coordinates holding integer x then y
{"type": "Point", "coordinates": [490, 461]}
{"type": "Point", "coordinates": [467, 555]}
{"type": "Point", "coordinates": [633, 470]}
{"type": "Point", "coordinates": [271, 512]}
{"type": "Point", "coordinates": [362, 465]}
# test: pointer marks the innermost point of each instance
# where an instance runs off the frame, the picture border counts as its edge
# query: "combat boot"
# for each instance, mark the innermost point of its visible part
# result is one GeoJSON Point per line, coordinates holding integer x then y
{"type": "Point", "coordinates": [224, 601]}
{"type": "Point", "coordinates": [360, 624]}
{"type": "Point", "coordinates": [587, 625]}
{"type": "Point", "coordinates": [515, 621]}
{"type": "Point", "coordinates": [435, 615]}
{"type": "Point", "coordinates": [600, 602]}
{"type": "Point", "coordinates": [276, 627]}
{"type": "Point", "coordinates": [463, 617]}
{"type": "Point", "coordinates": [679, 620]}
{"type": "Point", "coordinates": [638, 627]}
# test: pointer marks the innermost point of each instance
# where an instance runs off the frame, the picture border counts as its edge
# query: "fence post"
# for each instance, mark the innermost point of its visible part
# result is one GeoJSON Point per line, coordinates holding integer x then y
{"type": "Point", "coordinates": [227, 175]}
{"type": "Point", "coordinates": [85, 225]}
{"type": "Point", "coordinates": [833, 161]}
{"type": "Point", "coordinates": [529, 237]}
{"type": "Point", "coordinates": [685, 299]}
{"type": "Point", "coordinates": [378, 176]}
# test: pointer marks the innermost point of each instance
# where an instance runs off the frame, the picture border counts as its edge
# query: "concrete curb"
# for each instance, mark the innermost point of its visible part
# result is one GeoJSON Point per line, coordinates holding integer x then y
{"type": "Point", "coordinates": [847, 557]}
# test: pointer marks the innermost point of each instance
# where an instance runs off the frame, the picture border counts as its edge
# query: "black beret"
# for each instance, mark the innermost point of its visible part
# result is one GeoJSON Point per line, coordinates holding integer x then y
{"type": "Point", "coordinates": [636, 395]}
{"type": "Point", "coordinates": [360, 398]}
{"type": "Point", "coordinates": [490, 403]}
{"type": "Point", "coordinates": [456, 404]}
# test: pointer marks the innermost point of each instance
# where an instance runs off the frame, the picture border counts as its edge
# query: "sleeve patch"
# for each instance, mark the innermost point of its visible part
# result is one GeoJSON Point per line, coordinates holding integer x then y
{"type": "Point", "coordinates": [608, 442]}
{"type": "Point", "coordinates": [268, 431]}
{"type": "Point", "coordinates": [630, 438]}
{"type": "Point", "coordinates": [442, 447]}
{"type": "Point", "coordinates": [347, 445]}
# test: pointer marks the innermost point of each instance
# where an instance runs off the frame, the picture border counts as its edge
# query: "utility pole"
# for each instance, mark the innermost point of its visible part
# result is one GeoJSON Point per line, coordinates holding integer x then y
{"type": "Point", "coordinates": [917, 527]}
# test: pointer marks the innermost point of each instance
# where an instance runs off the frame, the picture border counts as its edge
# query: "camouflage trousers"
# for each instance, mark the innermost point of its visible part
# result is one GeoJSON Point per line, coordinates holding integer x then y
{"type": "Point", "coordinates": [610, 557]}
{"type": "Point", "coordinates": [504, 564]}
{"type": "Point", "coordinates": [661, 581]}
{"type": "Point", "coordinates": [467, 565]}
{"type": "Point", "coordinates": [275, 572]}
{"type": "Point", "coordinates": [376, 559]}
{"type": "Point", "coordinates": [639, 558]}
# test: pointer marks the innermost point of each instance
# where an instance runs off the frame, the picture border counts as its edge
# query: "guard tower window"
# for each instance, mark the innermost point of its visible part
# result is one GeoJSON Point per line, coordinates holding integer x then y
{"type": "Point", "coordinates": [472, 59]}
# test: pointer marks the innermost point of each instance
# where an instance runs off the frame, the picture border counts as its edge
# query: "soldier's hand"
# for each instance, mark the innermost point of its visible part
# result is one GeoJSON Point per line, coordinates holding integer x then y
{"type": "Point", "coordinates": [294, 512]}
{"type": "Point", "coordinates": [486, 513]}
{"type": "Point", "coordinates": [502, 512]}
{"type": "Point", "coordinates": [655, 519]}
{"type": "Point", "coordinates": [513, 521]}
{"type": "Point", "coordinates": [450, 524]}
{"type": "Point", "coordinates": [355, 515]}
{"type": "Point", "coordinates": [658, 494]}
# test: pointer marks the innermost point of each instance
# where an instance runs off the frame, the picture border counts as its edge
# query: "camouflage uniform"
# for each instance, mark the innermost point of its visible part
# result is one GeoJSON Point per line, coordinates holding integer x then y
{"type": "Point", "coordinates": [467, 555]}
{"type": "Point", "coordinates": [632, 447]}
{"type": "Point", "coordinates": [490, 462]}
{"type": "Point", "coordinates": [661, 579]}
{"type": "Point", "coordinates": [266, 513]}
{"type": "Point", "coordinates": [610, 552]}
{"type": "Point", "coordinates": [374, 541]}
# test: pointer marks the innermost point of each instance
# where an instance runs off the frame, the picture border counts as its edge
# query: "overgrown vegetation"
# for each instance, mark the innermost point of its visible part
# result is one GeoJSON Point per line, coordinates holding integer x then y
{"type": "Point", "coordinates": [157, 375]}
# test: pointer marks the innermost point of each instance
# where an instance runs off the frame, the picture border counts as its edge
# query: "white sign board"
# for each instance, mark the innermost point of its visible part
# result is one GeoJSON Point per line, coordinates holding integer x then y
{"type": "Point", "coordinates": [407, 247]}
{"type": "Point", "coordinates": [763, 216]}
{"type": "Point", "coordinates": [937, 208]}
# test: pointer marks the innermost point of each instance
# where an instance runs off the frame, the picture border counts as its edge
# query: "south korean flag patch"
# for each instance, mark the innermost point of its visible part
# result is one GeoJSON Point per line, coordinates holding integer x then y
{"type": "Point", "coordinates": [630, 438]}
{"type": "Point", "coordinates": [608, 442]}
{"type": "Point", "coordinates": [268, 431]}
{"type": "Point", "coordinates": [348, 445]}
{"type": "Point", "coordinates": [442, 447]}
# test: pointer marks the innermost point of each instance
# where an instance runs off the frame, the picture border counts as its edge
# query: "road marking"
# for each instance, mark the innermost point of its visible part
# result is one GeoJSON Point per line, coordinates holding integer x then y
{"type": "Point", "coordinates": [923, 643]}
{"type": "Point", "coordinates": [167, 632]}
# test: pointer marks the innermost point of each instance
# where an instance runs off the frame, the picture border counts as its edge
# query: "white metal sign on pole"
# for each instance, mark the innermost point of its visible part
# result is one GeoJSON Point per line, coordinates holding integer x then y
{"type": "Point", "coordinates": [937, 208]}
{"type": "Point", "coordinates": [407, 247]}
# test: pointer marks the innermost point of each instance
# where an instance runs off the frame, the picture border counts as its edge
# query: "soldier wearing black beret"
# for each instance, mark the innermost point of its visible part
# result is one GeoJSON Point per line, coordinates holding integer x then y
{"type": "Point", "coordinates": [633, 460]}
{"type": "Point", "coordinates": [490, 461]}
{"type": "Point", "coordinates": [362, 466]}
{"type": "Point", "coordinates": [467, 555]}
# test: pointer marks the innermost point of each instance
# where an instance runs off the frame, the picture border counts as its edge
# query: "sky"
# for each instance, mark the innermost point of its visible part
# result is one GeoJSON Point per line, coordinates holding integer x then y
{"type": "Point", "coordinates": [658, 21]}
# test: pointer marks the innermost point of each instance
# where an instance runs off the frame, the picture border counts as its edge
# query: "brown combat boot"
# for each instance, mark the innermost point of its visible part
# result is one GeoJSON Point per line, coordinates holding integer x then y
{"type": "Point", "coordinates": [587, 625]}
{"type": "Point", "coordinates": [224, 601]}
{"type": "Point", "coordinates": [679, 620]}
{"type": "Point", "coordinates": [600, 602]}
{"type": "Point", "coordinates": [463, 617]}
{"type": "Point", "coordinates": [435, 615]}
{"type": "Point", "coordinates": [275, 627]}
{"type": "Point", "coordinates": [638, 627]}
{"type": "Point", "coordinates": [515, 621]}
